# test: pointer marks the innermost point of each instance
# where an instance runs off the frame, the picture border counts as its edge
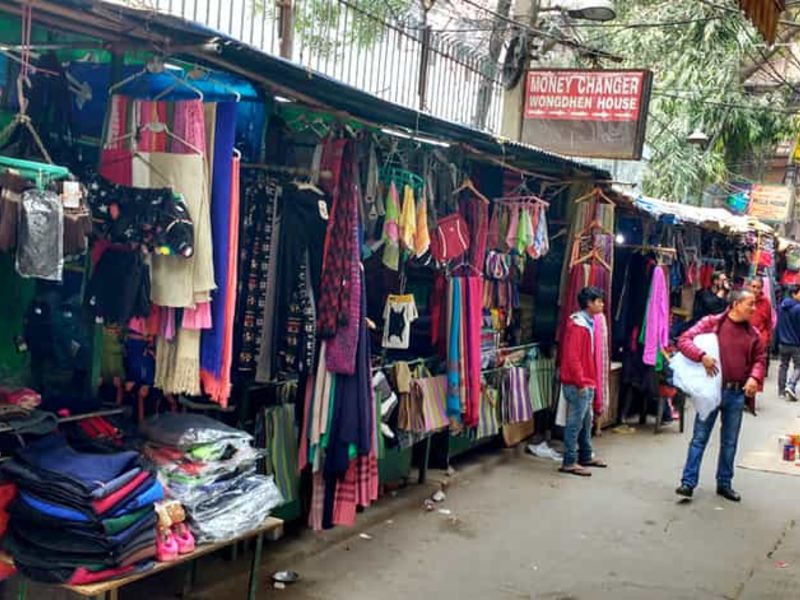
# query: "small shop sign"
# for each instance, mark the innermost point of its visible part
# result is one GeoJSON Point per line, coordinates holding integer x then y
{"type": "Point", "coordinates": [597, 114]}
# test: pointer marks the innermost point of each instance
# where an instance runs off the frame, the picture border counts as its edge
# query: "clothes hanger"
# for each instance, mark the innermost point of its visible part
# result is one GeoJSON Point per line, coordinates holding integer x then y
{"type": "Point", "coordinates": [140, 157]}
{"type": "Point", "coordinates": [200, 74]}
{"type": "Point", "coordinates": [468, 185]}
{"type": "Point", "coordinates": [598, 194]}
{"type": "Point", "coordinates": [155, 127]}
{"type": "Point", "coordinates": [155, 67]}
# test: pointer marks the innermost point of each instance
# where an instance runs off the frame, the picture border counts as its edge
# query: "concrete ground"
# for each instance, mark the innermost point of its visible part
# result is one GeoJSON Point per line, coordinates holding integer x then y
{"type": "Point", "coordinates": [518, 529]}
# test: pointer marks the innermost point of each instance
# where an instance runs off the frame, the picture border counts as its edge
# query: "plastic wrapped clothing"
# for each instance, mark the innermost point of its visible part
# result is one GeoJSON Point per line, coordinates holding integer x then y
{"type": "Point", "coordinates": [691, 377]}
{"type": "Point", "coordinates": [241, 508]}
{"type": "Point", "coordinates": [40, 236]}
{"type": "Point", "coordinates": [187, 430]}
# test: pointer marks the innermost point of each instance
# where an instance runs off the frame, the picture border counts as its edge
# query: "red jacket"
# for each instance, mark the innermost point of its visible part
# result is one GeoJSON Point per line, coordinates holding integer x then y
{"type": "Point", "coordinates": [577, 354]}
{"type": "Point", "coordinates": [711, 324]}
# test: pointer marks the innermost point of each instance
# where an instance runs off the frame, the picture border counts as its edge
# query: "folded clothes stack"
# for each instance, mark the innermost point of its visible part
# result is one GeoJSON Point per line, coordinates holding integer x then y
{"type": "Point", "coordinates": [211, 469]}
{"type": "Point", "coordinates": [80, 518]}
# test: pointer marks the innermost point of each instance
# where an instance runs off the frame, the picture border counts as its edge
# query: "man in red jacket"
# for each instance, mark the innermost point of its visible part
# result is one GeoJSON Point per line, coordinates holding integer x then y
{"type": "Point", "coordinates": [744, 359]}
{"type": "Point", "coordinates": [579, 380]}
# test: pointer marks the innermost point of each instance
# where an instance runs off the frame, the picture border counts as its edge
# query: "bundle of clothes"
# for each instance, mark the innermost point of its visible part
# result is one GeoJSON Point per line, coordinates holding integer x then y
{"type": "Point", "coordinates": [211, 469]}
{"type": "Point", "coordinates": [79, 517]}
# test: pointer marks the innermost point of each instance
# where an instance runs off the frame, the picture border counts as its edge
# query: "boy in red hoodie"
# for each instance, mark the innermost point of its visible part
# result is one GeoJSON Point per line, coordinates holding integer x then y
{"type": "Point", "coordinates": [579, 381]}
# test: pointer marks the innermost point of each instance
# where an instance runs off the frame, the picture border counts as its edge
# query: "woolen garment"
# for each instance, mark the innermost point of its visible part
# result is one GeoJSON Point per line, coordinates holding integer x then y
{"type": "Point", "coordinates": [178, 363]}
{"type": "Point", "coordinates": [475, 211]}
{"type": "Point", "coordinates": [472, 323]}
{"type": "Point", "coordinates": [264, 356]}
{"type": "Point", "coordinates": [179, 282]}
{"type": "Point", "coordinates": [342, 347]}
{"type": "Point", "coordinates": [335, 285]}
{"type": "Point", "coordinates": [755, 354]}
{"type": "Point", "coordinates": [119, 288]}
{"type": "Point", "coordinates": [602, 364]}
{"type": "Point", "coordinates": [454, 356]}
{"type": "Point", "coordinates": [657, 324]}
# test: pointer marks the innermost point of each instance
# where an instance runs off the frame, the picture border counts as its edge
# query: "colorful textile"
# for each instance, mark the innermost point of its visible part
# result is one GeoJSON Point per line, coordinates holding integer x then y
{"type": "Point", "coordinates": [391, 230]}
{"type": "Point", "coordinates": [337, 265]}
{"type": "Point", "coordinates": [454, 356]}
{"type": "Point", "coordinates": [216, 346]}
{"type": "Point", "coordinates": [422, 239]}
{"type": "Point", "coordinates": [602, 364]}
{"type": "Point", "coordinates": [657, 326]}
{"type": "Point", "coordinates": [488, 422]}
{"type": "Point", "coordinates": [473, 286]}
{"type": "Point", "coordinates": [281, 445]}
{"type": "Point", "coordinates": [516, 404]}
{"type": "Point", "coordinates": [408, 219]}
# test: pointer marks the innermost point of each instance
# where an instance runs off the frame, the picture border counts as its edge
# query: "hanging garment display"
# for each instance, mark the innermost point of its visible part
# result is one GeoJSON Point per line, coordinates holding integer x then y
{"type": "Point", "coordinates": [541, 374]}
{"type": "Point", "coordinates": [408, 220]}
{"type": "Point", "coordinates": [474, 208]}
{"type": "Point", "coordinates": [216, 346]}
{"type": "Point", "coordinates": [258, 274]}
{"type": "Point", "coordinates": [656, 325]}
{"type": "Point", "coordinates": [280, 441]}
{"type": "Point", "coordinates": [422, 240]}
{"type": "Point", "coordinates": [40, 236]}
{"type": "Point", "coordinates": [11, 188]}
{"type": "Point", "coordinates": [300, 256]}
{"type": "Point", "coordinates": [156, 219]}
{"type": "Point", "coordinates": [451, 238]}
{"type": "Point", "coordinates": [400, 312]}
{"type": "Point", "coordinates": [428, 396]}
{"type": "Point", "coordinates": [488, 421]}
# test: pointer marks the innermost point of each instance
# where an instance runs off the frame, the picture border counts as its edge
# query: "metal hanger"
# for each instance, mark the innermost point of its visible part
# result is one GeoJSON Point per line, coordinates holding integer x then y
{"type": "Point", "coordinates": [155, 127]}
{"type": "Point", "coordinates": [155, 67]}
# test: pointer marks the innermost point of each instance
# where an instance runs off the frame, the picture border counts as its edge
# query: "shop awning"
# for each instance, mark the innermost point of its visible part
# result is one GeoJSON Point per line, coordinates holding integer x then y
{"type": "Point", "coordinates": [149, 29]}
{"type": "Point", "coordinates": [716, 219]}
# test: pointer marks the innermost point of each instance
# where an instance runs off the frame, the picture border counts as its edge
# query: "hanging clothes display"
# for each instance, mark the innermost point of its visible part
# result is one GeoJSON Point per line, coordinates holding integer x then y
{"type": "Point", "coordinates": [400, 312]}
{"type": "Point", "coordinates": [216, 346]}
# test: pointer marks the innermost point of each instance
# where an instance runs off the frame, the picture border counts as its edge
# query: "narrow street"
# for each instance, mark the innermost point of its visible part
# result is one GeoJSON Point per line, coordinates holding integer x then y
{"type": "Point", "coordinates": [519, 529]}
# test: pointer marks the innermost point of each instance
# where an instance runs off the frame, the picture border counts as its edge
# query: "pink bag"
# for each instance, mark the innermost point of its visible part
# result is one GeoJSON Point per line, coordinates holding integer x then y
{"type": "Point", "coordinates": [450, 239]}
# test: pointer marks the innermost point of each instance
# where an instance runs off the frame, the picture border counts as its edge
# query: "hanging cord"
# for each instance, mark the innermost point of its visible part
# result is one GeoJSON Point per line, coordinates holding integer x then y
{"type": "Point", "coordinates": [23, 80]}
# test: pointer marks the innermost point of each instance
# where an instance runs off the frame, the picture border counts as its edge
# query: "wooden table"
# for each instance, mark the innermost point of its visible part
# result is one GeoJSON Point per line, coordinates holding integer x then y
{"type": "Point", "coordinates": [272, 529]}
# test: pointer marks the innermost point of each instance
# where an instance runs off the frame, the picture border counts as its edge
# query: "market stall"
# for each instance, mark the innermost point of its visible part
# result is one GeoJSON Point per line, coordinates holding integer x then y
{"type": "Point", "coordinates": [278, 300]}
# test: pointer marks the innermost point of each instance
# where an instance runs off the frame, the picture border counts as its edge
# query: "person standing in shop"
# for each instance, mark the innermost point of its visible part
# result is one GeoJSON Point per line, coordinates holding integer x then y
{"type": "Point", "coordinates": [788, 335]}
{"type": "Point", "coordinates": [712, 300]}
{"type": "Point", "coordinates": [579, 381]}
{"type": "Point", "coordinates": [743, 358]}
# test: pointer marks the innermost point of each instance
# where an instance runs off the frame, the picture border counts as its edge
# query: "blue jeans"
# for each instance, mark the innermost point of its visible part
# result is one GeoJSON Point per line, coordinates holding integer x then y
{"type": "Point", "coordinates": [732, 407]}
{"type": "Point", "coordinates": [578, 432]}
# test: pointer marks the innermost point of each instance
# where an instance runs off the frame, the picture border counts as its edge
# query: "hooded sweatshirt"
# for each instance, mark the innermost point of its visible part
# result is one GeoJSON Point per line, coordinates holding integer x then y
{"type": "Point", "coordinates": [789, 322]}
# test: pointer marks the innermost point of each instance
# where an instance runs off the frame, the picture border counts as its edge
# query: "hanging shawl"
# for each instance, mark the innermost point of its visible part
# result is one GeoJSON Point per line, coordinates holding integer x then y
{"type": "Point", "coordinates": [391, 230]}
{"type": "Point", "coordinates": [602, 364]}
{"type": "Point", "coordinates": [224, 203]}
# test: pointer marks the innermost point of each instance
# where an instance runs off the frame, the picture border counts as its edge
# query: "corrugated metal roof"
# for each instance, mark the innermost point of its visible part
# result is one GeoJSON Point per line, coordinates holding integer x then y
{"type": "Point", "coordinates": [116, 23]}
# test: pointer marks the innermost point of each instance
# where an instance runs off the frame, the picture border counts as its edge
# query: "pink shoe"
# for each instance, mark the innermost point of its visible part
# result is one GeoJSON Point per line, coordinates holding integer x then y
{"type": "Point", "coordinates": [184, 538]}
{"type": "Point", "coordinates": [166, 546]}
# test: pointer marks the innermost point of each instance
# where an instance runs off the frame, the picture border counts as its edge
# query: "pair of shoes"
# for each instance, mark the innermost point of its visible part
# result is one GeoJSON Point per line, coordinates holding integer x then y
{"type": "Point", "coordinates": [791, 394]}
{"type": "Point", "coordinates": [174, 541]}
{"type": "Point", "coordinates": [685, 491]}
{"type": "Point", "coordinates": [729, 494]}
{"type": "Point", "coordinates": [544, 451]}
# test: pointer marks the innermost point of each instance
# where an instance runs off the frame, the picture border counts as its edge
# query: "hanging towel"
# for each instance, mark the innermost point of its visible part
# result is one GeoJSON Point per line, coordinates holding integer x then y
{"type": "Point", "coordinates": [422, 239]}
{"type": "Point", "coordinates": [224, 230]}
{"type": "Point", "coordinates": [408, 219]}
{"type": "Point", "coordinates": [391, 230]}
{"type": "Point", "coordinates": [513, 229]}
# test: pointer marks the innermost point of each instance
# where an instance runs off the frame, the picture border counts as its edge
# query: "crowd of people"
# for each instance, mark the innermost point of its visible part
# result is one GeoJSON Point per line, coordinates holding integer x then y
{"type": "Point", "coordinates": [748, 329]}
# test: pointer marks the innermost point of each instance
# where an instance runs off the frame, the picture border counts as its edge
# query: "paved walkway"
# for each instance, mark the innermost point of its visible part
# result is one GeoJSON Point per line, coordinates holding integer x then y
{"type": "Point", "coordinates": [521, 530]}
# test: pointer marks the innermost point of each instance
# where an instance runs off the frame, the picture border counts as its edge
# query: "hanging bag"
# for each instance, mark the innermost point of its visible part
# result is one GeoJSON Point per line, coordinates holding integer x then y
{"type": "Point", "coordinates": [450, 239]}
{"type": "Point", "coordinates": [430, 394]}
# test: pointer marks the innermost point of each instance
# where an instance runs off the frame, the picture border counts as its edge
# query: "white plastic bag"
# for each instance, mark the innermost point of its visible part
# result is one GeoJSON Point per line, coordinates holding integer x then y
{"type": "Point", "coordinates": [691, 377]}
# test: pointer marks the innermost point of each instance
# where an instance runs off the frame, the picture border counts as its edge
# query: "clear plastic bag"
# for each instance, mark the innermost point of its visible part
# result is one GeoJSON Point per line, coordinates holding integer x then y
{"type": "Point", "coordinates": [40, 236]}
{"type": "Point", "coordinates": [241, 508]}
{"type": "Point", "coordinates": [187, 431]}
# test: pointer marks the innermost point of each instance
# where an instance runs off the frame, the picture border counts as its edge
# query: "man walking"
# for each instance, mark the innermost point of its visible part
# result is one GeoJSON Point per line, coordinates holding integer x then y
{"type": "Point", "coordinates": [579, 381]}
{"type": "Point", "coordinates": [743, 358]}
{"type": "Point", "coordinates": [789, 342]}
{"type": "Point", "coordinates": [712, 301]}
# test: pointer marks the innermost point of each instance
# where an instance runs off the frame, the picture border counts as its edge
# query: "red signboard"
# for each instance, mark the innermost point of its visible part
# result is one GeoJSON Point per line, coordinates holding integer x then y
{"type": "Point", "coordinates": [584, 95]}
{"type": "Point", "coordinates": [600, 114]}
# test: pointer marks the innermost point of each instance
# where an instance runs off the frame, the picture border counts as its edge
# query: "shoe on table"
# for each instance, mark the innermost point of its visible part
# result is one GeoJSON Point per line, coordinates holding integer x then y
{"type": "Point", "coordinates": [729, 494]}
{"type": "Point", "coordinates": [685, 491]}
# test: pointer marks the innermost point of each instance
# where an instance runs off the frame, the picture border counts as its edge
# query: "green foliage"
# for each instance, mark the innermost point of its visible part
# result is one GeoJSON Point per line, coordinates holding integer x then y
{"type": "Point", "coordinates": [329, 27]}
{"type": "Point", "coordinates": [701, 63]}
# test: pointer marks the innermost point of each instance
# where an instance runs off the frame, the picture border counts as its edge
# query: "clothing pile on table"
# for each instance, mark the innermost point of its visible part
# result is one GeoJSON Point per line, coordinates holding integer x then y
{"type": "Point", "coordinates": [80, 518]}
{"type": "Point", "coordinates": [211, 469]}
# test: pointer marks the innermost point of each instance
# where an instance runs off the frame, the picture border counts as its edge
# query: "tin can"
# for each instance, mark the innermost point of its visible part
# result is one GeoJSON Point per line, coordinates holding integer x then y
{"type": "Point", "coordinates": [789, 452]}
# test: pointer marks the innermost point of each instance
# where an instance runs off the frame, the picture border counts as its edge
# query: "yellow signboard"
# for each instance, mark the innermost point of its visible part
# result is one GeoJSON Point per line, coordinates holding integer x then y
{"type": "Point", "coordinates": [770, 203]}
